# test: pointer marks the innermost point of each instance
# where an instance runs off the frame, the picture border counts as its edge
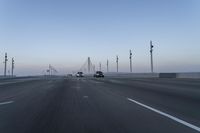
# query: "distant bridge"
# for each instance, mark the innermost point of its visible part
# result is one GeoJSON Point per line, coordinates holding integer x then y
{"type": "Point", "coordinates": [88, 67]}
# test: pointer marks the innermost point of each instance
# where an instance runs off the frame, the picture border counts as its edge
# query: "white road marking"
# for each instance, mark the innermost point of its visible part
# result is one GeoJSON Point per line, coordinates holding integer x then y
{"type": "Point", "coordinates": [116, 81]}
{"type": "Point", "coordinates": [85, 96]}
{"type": "Point", "coordinates": [3, 103]}
{"type": "Point", "coordinates": [166, 115]}
{"type": "Point", "coordinates": [96, 82]}
{"type": "Point", "coordinates": [14, 82]}
{"type": "Point", "coordinates": [10, 82]}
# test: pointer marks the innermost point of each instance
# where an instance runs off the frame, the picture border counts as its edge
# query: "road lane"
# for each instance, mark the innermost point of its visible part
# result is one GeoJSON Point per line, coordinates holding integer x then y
{"type": "Point", "coordinates": [173, 101]}
{"type": "Point", "coordinates": [167, 115]}
{"type": "Point", "coordinates": [85, 105]}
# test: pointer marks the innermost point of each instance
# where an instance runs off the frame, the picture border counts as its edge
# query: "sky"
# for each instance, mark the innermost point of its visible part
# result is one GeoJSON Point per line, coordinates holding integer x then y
{"type": "Point", "coordinates": [65, 33]}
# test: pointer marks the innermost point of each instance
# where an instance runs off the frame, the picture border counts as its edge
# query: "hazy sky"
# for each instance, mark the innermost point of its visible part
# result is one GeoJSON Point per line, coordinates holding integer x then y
{"type": "Point", "coordinates": [64, 33]}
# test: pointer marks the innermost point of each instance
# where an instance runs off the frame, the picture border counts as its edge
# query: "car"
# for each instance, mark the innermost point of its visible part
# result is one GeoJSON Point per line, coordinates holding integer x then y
{"type": "Point", "coordinates": [99, 74]}
{"type": "Point", "coordinates": [79, 74]}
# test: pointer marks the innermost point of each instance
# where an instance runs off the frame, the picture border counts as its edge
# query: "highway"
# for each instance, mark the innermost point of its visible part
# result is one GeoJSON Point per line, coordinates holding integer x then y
{"type": "Point", "coordinates": [103, 105]}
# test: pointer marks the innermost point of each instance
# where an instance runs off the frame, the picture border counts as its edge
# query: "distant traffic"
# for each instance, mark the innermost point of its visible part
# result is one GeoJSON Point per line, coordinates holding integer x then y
{"type": "Point", "coordinates": [98, 74]}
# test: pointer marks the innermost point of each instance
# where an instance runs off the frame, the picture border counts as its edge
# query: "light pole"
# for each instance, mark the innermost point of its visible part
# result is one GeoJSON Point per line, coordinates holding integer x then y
{"type": "Point", "coordinates": [117, 61]}
{"type": "Point", "coordinates": [12, 71]}
{"type": "Point", "coordinates": [107, 65]}
{"type": "Point", "coordinates": [89, 62]}
{"type": "Point", "coordinates": [130, 61]}
{"type": "Point", "coordinates": [5, 62]}
{"type": "Point", "coordinates": [151, 52]}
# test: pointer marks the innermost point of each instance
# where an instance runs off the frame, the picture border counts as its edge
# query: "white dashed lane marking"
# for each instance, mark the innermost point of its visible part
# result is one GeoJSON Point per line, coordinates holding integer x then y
{"type": "Point", "coordinates": [8, 102]}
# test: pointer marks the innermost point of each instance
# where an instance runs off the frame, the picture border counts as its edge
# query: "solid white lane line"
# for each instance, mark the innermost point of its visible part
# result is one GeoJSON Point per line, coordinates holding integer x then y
{"type": "Point", "coordinates": [166, 115]}
{"type": "Point", "coordinates": [3, 103]}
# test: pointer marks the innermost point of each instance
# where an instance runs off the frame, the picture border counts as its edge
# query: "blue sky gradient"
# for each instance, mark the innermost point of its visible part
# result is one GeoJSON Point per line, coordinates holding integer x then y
{"type": "Point", "coordinates": [64, 33]}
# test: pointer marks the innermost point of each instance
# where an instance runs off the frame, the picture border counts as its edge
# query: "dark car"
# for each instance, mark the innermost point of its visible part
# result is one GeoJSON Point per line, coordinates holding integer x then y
{"type": "Point", "coordinates": [98, 74]}
{"type": "Point", "coordinates": [79, 74]}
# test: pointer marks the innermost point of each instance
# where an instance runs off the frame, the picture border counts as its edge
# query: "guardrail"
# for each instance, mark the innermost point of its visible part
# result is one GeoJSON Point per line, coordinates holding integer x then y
{"type": "Point", "coordinates": [154, 75]}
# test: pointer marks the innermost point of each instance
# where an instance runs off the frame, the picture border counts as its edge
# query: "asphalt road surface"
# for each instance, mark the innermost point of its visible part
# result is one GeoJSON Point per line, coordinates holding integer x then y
{"type": "Point", "coordinates": [109, 105]}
